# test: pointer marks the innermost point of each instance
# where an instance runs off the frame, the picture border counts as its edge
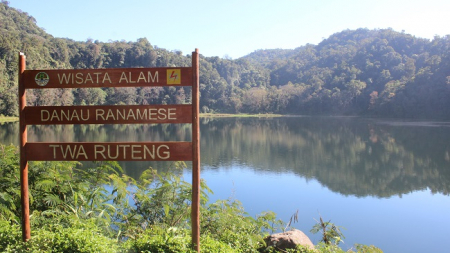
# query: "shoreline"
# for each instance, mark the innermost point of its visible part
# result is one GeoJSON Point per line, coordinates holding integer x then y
{"type": "Point", "coordinates": [242, 115]}
{"type": "Point", "coordinates": [7, 119]}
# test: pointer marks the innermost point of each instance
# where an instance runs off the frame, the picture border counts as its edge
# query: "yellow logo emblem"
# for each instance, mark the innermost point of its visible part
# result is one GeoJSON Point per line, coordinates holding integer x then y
{"type": "Point", "coordinates": [174, 76]}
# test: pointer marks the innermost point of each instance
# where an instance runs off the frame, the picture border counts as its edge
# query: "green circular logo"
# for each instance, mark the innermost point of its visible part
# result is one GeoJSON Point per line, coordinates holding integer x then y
{"type": "Point", "coordinates": [41, 78]}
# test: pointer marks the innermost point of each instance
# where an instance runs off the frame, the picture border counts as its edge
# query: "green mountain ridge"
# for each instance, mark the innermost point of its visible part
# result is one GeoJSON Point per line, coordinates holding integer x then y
{"type": "Point", "coordinates": [354, 72]}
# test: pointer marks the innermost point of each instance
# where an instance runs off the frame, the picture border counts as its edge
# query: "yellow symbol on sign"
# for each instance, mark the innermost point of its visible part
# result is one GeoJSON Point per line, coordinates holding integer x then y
{"type": "Point", "coordinates": [174, 76]}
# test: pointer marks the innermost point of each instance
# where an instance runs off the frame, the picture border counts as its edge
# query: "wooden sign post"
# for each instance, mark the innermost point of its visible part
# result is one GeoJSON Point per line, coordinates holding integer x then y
{"type": "Point", "coordinates": [26, 231]}
{"type": "Point", "coordinates": [123, 114]}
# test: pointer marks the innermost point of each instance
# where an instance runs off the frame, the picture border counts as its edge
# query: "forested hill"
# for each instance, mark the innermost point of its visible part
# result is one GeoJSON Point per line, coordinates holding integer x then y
{"type": "Point", "coordinates": [353, 72]}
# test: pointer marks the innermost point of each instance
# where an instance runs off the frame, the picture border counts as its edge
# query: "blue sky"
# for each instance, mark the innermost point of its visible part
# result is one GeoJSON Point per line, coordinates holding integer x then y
{"type": "Point", "coordinates": [232, 27]}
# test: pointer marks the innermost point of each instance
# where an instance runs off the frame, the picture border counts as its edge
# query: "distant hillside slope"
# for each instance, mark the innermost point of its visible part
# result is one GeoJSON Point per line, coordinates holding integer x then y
{"type": "Point", "coordinates": [268, 57]}
{"type": "Point", "coordinates": [353, 72]}
{"type": "Point", "coordinates": [376, 72]}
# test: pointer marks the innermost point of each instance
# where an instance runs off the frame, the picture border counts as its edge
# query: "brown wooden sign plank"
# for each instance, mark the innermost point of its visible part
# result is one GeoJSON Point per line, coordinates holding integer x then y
{"type": "Point", "coordinates": [109, 151]}
{"type": "Point", "coordinates": [120, 114]}
{"type": "Point", "coordinates": [124, 77]}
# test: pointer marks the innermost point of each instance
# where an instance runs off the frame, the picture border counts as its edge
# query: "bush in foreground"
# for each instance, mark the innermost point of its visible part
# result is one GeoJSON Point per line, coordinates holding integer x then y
{"type": "Point", "coordinates": [82, 237]}
{"type": "Point", "coordinates": [98, 209]}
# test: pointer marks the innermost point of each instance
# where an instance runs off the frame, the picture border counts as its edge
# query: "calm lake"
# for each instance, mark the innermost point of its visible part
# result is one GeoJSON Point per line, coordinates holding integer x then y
{"type": "Point", "coordinates": [387, 182]}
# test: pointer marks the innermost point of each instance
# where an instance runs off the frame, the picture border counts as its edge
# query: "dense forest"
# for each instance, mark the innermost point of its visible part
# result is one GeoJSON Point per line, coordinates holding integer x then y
{"type": "Point", "coordinates": [354, 72]}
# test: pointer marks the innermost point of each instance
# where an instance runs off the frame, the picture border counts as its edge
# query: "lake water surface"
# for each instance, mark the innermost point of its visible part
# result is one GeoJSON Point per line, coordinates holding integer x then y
{"type": "Point", "coordinates": [386, 181]}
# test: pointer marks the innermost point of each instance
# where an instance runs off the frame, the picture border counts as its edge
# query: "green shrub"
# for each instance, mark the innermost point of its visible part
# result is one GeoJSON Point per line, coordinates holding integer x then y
{"type": "Point", "coordinates": [360, 248]}
{"type": "Point", "coordinates": [209, 244]}
{"type": "Point", "coordinates": [157, 240]}
{"type": "Point", "coordinates": [81, 237]}
{"type": "Point", "coordinates": [10, 234]}
{"type": "Point", "coordinates": [227, 222]}
{"type": "Point", "coordinates": [9, 183]}
{"type": "Point", "coordinates": [174, 240]}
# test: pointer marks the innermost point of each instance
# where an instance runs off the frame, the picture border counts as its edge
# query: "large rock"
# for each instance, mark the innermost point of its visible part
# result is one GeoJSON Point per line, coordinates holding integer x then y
{"type": "Point", "coordinates": [288, 240]}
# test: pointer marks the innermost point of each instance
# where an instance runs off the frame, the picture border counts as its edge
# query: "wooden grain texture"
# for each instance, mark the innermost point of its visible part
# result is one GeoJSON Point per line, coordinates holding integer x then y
{"type": "Point", "coordinates": [195, 152]}
{"type": "Point", "coordinates": [109, 151]}
{"type": "Point", "coordinates": [26, 230]}
{"type": "Point", "coordinates": [124, 77]}
{"type": "Point", "coordinates": [115, 114]}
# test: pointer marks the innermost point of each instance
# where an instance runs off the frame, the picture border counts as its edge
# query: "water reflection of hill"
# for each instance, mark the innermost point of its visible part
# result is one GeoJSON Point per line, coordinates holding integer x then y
{"type": "Point", "coordinates": [9, 133]}
{"type": "Point", "coordinates": [350, 156]}
{"type": "Point", "coordinates": [347, 155]}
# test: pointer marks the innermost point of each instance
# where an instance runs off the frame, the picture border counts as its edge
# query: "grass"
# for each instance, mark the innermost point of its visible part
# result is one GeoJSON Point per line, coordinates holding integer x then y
{"type": "Point", "coordinates": [8, 119]}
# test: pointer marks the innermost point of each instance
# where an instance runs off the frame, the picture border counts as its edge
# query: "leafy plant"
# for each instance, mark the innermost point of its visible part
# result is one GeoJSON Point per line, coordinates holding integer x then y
{"type": "Point", "coordinates": [9, 183]}
{"type": "Point", "coordinates": [79, 237]}
{"type": "Point", "coordinates": [226, 221]}
{"type": "Point", "coordinates": [171, 240]}
{"type": "Point", "coordinates": [331, 234]}
{"type": "Point", "coordinates": [367, 249]}
{"type": "Point", "coordinates": [157, 199]}
{"type": "Point", "coordinates": [10, 234]}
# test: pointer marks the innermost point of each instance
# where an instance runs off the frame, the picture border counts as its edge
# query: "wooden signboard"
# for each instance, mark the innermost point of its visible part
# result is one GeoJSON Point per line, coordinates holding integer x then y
{"type": "Point", "coordinates": [109, 151]}
{"type": "Point", "coordinates": [129, 77]}
{"type": "Point", "coordinates": [119, 114]}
